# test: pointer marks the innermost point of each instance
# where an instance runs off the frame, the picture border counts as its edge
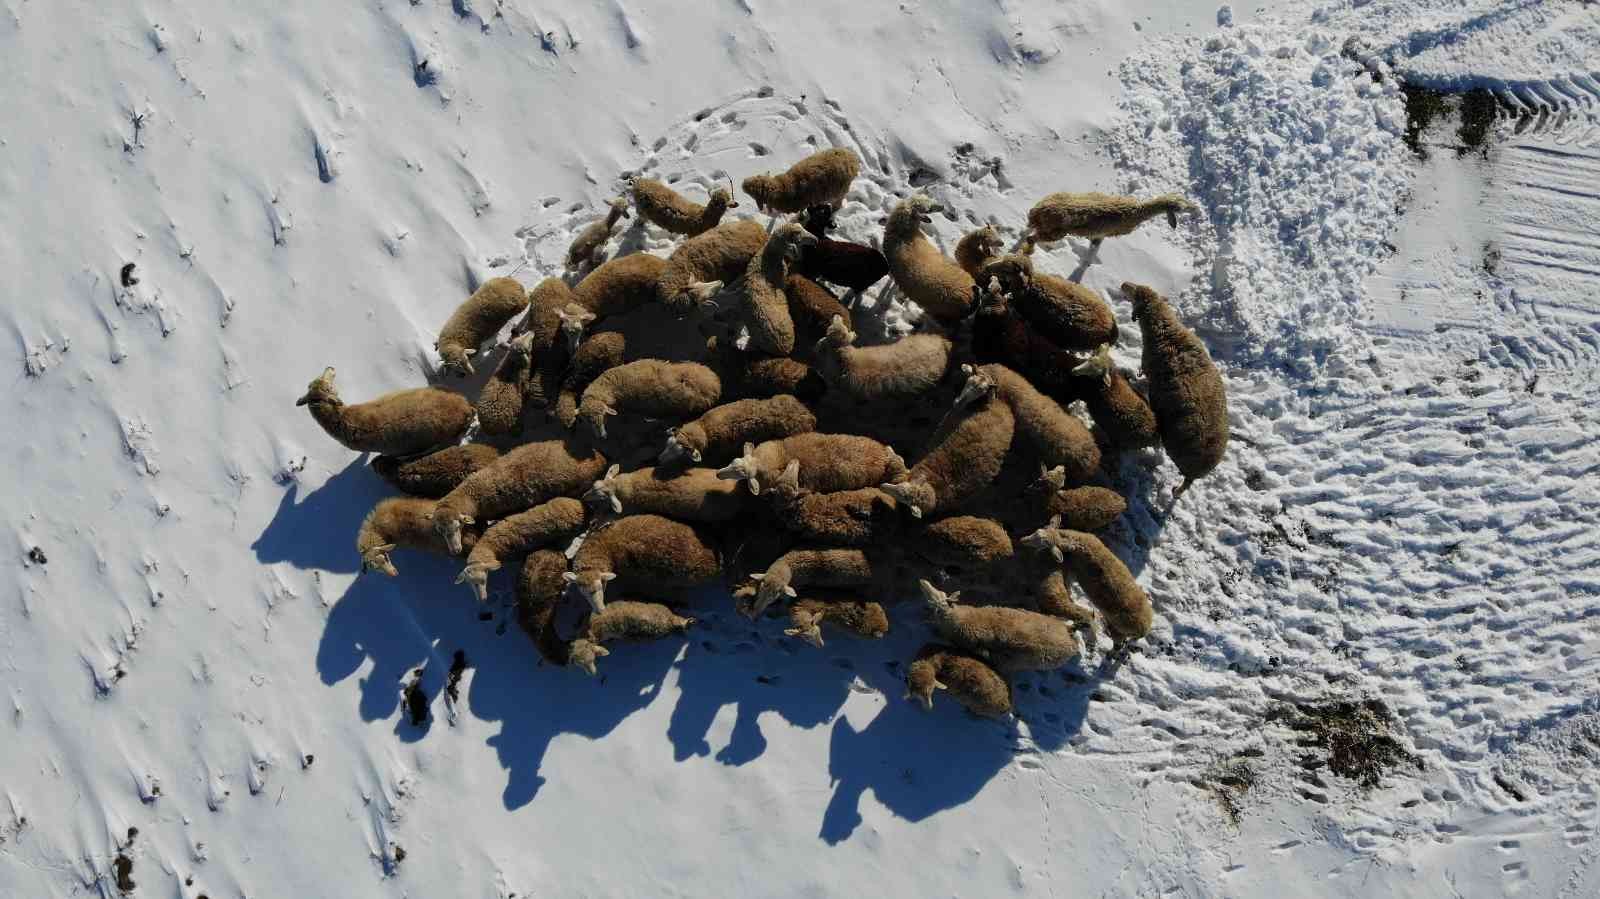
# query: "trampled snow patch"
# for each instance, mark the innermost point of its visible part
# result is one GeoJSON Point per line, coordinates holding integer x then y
{"type": "Point", "coordinates": [1295, 154]}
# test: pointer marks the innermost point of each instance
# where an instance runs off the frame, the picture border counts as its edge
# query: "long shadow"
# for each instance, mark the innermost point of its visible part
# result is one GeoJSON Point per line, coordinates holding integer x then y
{"type": "Point", "coordinates": [319, 530]}
{"type": "Point", "coordinates": [423, 618]}
{"type": "Point", "coordinates": [731, 661]}
{"type": "Point", "coordinates": [970, 750]}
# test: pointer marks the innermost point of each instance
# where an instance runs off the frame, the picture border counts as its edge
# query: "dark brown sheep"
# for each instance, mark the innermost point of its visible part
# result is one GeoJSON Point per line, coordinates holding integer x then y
{"type": "Point", "coordinates": [1186, 390]}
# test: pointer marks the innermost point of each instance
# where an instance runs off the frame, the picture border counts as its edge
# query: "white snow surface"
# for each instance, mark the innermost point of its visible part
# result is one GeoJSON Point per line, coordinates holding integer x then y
{"type": "Point", "coordinates": [1409, 510]}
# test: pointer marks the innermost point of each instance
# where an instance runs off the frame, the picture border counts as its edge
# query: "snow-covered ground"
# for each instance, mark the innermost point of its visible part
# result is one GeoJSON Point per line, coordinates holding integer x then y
{"type": "Point", "coordinates": [205, 698]}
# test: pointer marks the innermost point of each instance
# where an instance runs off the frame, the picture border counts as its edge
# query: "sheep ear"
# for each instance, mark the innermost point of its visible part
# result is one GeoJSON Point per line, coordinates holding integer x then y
{"type": "Point", "coordinates": [608, 576]}
{"type": "Point", "coordinates": [1055, 522]}
{"type": "Point", "coordinates": [1059, 555]}
{"type": "Point", "coordinates": [755, 486]}
{"type": "Point", "coordinates": [469, 353]}
{"type": "Point", "coordinates": [758, 577]}
{"type": "Point", "coordinates": [613, 471]}
{"type": "Point", "coordinates": [953, 597]}
{"type": "Point", "coordinates": [749, 449]}
{"type": "Point", "coordinates": [967, 369]}
{"type": "Point", "coordinates": [601, 650]}
{"type": "Point", "coordinates": [570, 577]}
{"type": "Point", "coordinates": [616, 505]}
{"type": "Point", "coordinates": [695, 455]}
{"type": "Point", "coordinates": [789, 592]}
{"type": "Point", "coordinates": [465, 519]}
{"type": "Point", "coordinates": [939, 685]}
{"type": "Point", "coordinates": [385, 548]}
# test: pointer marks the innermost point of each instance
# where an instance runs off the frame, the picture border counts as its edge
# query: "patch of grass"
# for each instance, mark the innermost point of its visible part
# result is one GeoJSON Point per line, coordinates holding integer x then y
{"type": "Point", "coordinates": [1353, 739]}
{"type": "Point", "coordinates": [1423, 106]}
{"type": "Point", "coordinates": [1228, 780]}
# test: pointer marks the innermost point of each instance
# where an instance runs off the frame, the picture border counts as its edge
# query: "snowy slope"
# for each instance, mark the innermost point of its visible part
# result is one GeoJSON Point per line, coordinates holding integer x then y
{"type": "Point", "coordinates": [1408, 512]}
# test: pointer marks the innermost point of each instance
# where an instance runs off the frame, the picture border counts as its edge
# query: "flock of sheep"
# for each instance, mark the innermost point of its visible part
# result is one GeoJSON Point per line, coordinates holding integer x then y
{"type": "Point", "coordinates": [780, 445]}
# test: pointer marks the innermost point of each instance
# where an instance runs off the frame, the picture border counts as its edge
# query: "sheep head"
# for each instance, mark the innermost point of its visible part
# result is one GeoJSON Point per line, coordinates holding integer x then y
{"type": "Point", "coordinates": [1014, 272]}
{"type": "Point", "coordinates": [377, 559]}
{"type": "Point", "coordinates": [979, 386]}
{"type": "Point", "coordinates": [991, 297]}
{"type": "Point", "coordinates": [618, 210]}
{"type": "Point", "coordinates": [744, 468]}
{"type": "Point", "coordinates": [678, 448]}
{"type": "Point", "coordinates": [476, 576]}
{"type": "Point", "coordinates": [1097, 365]}
{"type": "Point", "coordinates": [837, 335]}
{"type": "Point", "coordinates": [583, 654]}
{"type": "Point", "coordinates": [791, 239]}
{"type": "Point", "coordinates": [786, 489]}
{"type": "Point", "coordinates": [522, 345]}
{"type": "Point", "coordinates": [447, 526]}
{"type": "Point", "coordinates": [604, 491]}
{"type": "Point", "coordinates": [807, 626]}
{"type": "Point", "coordinates": [938, 600]}
{"type": "Point", "coordinates": [593, 417]}
{"type": "Point", "coordinates": [770, 586]}
{"type": "Point", "coordinates": [321, 390]}
{"type": "Point", "coordinates": [760, 188]}
{"type": "Point", "coordinates": [457, 359]}
{"type": "Point", "coordinates": [918, 496]}
{"type": "Point", "coordinates": [819, 218]}
{"type": "Point", "coordinates": [921, 681]}
{"type": "Point", "coordinates": [703, 293]}
{"type": "Point", "coordinates": [1048, 539]}
{"type": "Point", "coordinates": [1172, 204]}
{"type": "Point", "coordinates": [1139, 296]}
{"type": "Point", "coordinates": [574, 319]}
{"type": "Point", "coordinates": [722, 198]}
{"type": "Point", "coordinates": [592, 585]}
{"type": "Point", "coordinates": [1052, 479]}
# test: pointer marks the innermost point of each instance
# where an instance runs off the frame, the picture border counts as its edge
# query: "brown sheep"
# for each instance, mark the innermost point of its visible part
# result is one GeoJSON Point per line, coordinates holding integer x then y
{"type": "Point", "coordinates": [703, 264]}
{"type": "Point", "coordinates": [669, 210]}
{"type": "Point", "coordinates": [1119, 410]}
{"type": "Point", "coordinates": [555, 322]}
{"type": "Point", "coordinates": [1010, 639]}
{"type": "Point", "coordinates": [1054, 435]}
{"type": "Point", "coordinates": [403, 423]}
{"type": "Point", "coordinates": [540, 586]}
{"type": "Point", "coordinates": [586, 247]}
{"type": "Point", "coordinates": [672, 390]}
{"type": "Point", "coordinates": [752, 375]}
{"type": "Point", "coordinates": [715, 437]}
{"type": "Point", "coordinates": [558, 520]}
{"type": "Point", "coordinates": [435, 474]}
{"type": "Point", "coordinates": [853, 266]}
{"type": "Point", "coordinates": [401, 521]}
{"type": "Point", "coordinates": [964, 457]}
{"type": "Point", "coordinates": [1098, 216]}
{"type": "Point", "coordinates": [693, 495]}
{"type": "Point", "coordinates": [531, 474]}
{"type": "Point", "coordinates": [925, 275]}
{"type": "Point", "coordinates": [505, 393]}
{"type": "Point", "coordinates": [624, 620]}
{"type": "Point", "coordinates": [1064, 312]}
{"type": "Point", "coordinates": [1104, 578]}
{"type": "Point", "coordinates": [595, 356]}
{"type": "Point", "coordinates": [479, 318]}
{"type": "Point", "coordinates": [1186, 390]}
{"type": "Point", "coordinates": [822, 178]}
{"type": "Point", "coordinates": [977, 248]}
{"type": "Point", "coordinates": [962, 541]}
{"type": "Point", "coordinates": [812, 307]}
{"type": "Point", "coordinates": [618, 286]}
{"type": "Point", "coordinates": [848, 613]}
{"type": "Point", "coordinates": [1000, 335]}
{"type": "Point", "coordinates": [903, 370]}
{"type": "Point", "coordinates": [968, 679]}
{"type": "Point", "coordinates": [648, 551]}
{"type": "Point", "coordinates": [841, 518]}
{"type": "Point", "coordinates": [814, 567]}
{"type": "Point", "coordinates": [822, 462]}
{"type": "Point", "coordinates": [764, 307]}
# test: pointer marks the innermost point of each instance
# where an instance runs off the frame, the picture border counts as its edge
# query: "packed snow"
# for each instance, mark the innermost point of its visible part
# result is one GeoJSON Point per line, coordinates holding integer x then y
{"type": "Point", "coordinates": [206, 699]}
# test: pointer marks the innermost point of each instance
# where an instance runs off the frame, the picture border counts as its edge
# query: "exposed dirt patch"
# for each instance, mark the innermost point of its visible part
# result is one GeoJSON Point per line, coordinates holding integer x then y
{"type": "Point", "coordinates": [1353, 739]}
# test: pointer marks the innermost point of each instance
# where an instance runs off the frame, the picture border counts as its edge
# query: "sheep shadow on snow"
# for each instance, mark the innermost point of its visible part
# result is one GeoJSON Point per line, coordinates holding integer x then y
{"type": "Point", "coordinates": [319, 530]}
{"type": "Point", "coordinates": [422, 617]}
